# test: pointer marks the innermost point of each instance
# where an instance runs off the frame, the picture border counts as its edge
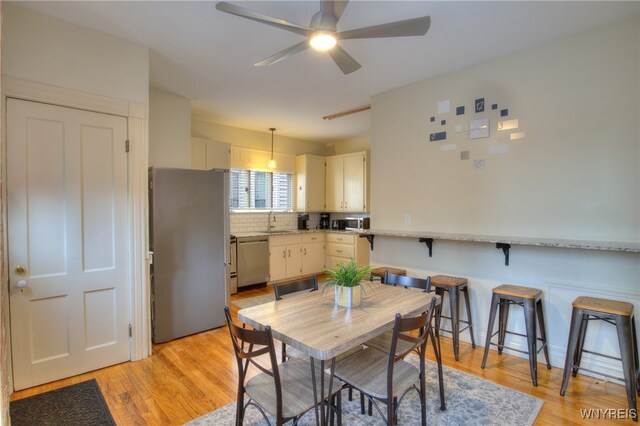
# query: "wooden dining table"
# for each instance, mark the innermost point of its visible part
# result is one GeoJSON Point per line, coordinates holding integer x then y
{"type": "Point", "coordinates": [312, 323]}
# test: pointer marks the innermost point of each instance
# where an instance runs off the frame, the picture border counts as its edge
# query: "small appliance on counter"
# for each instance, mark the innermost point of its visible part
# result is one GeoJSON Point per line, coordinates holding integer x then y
{"type": "Point", "coordinates": [357, 223]}
{"type": "Point", "coordinates": [325, 222]}
{"type": "Point", "coordinates": [303, 218]}
{"type": "Point", "coordinates": [338, 224]}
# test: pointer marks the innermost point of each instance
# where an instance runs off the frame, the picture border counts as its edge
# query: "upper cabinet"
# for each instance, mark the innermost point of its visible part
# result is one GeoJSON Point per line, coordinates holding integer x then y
{"type": "Point", "coordinates": [309, 183]}
{"type": "Point", "coordinates": [254, 159]}
{"type": "Point", "coordinates": [346, 183]}
{"type": "Point", "coordinates": [207, 154]}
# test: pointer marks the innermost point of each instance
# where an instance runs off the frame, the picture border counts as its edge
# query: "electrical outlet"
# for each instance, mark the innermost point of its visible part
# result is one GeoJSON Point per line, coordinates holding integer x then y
{"type": "Point", "coordinates": [407, 219]}
{"type": "Point", "coordinates": [478, 164]}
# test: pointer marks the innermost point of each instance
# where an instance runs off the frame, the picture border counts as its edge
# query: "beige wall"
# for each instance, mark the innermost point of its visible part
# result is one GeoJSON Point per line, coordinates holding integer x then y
{"type": "Point", "coordinates": [352, 145]}
{"type": "Point", "coordinates": [40, 48]}
{"type": "Point", "coordinates": [255, 140]}
{"type": "Point", "coordinates": [576, 175]}
{"type": "Point", "coordinates": [169, 130]}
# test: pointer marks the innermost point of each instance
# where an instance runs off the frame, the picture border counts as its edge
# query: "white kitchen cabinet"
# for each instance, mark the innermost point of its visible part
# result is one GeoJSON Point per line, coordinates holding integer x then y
{"type": "Point", "coordinates": [293, 255]}
{"type": "Point", "coordinates": [346, 183]}
{"type": "Point", "coordinates": [342, 247]}
{"type": "Point", "coordinates": [207, 154]}
{"type": "Point", "coordinates": [334, 184]}
{"type": "Point", "coordinates": [310, 183]}
{"type": "Point", "coordinates": [313, 253]}
{"type": "Point", "coordinates": [294, 260]}
{"type": "Point", "coordinates": [277, 262]}
{"type": "Point", "coordinates": [254, 159]}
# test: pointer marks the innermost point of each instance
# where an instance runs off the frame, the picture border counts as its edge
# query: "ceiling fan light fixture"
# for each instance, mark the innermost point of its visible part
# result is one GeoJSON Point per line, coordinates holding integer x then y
{"type": "Point", "coordinates": [322, 40]}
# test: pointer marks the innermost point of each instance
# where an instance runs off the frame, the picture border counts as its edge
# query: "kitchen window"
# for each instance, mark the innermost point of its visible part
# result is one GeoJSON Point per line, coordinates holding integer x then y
{"type": "Point", "coordinates": [258, 190]}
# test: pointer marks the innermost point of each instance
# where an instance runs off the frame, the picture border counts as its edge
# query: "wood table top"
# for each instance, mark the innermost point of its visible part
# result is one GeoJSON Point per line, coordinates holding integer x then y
{"type": "Point", "coordinates": [311, 323]}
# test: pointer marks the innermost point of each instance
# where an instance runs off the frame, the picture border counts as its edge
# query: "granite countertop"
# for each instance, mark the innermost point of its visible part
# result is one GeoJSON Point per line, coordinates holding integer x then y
{"type": "Point", "coordinates": [288, 232]}
{"type": "Point", "coordinates": [626, 246]}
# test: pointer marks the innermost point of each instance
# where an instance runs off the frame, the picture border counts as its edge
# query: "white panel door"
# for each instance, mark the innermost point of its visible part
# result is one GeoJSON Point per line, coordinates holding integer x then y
{"type": "Point", "coordinates": [67, 241]}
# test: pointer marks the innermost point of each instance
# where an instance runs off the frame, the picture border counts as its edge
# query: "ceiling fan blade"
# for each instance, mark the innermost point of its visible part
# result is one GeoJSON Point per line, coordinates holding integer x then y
{"type": "Point", "coordinates": [338, 8]}
{"type": "Point", "coordinates": [409, 27]}
{"type": "Point", "coordinates": [223, 6]}
{"type": "Point", "coordinates": [344, 61]}
{"type": "Point", "coordinates": [330, 13]}
{"type": "Point", "coordinates": [284, 54]}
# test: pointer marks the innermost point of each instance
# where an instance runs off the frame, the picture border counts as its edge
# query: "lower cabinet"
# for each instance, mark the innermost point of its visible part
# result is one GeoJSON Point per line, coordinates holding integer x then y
{"type": "Point", "coordinates": [342, 247]}
{"type": "Point", "coordinates": [294, 255]}
{"type": "Point", "coordinates": [312, 253]}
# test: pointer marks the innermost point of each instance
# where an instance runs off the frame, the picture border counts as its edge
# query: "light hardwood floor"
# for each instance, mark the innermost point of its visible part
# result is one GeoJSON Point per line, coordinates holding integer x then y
{"type": "Point", "coordinates": [192, 376]}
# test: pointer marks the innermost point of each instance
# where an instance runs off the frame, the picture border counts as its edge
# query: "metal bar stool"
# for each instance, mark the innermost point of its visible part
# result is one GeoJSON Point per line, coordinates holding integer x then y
{"type": "Point", "coordinates": [530, 299]}
{"type": "Point", "coordinates": [379, 272]}
{"type": "Point", "coordinates": [619, 314]}
{"type": "Point", "coordinates": [453, 286]}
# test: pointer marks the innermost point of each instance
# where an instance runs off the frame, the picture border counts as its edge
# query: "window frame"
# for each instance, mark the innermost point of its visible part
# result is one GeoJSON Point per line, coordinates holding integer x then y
{"type": "Point", "coordinates": [250, 182]}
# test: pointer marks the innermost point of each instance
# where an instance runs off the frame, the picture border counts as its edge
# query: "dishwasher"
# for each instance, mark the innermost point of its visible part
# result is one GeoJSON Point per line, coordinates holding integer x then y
{"type": "Point", "coordinates": [253, 260]}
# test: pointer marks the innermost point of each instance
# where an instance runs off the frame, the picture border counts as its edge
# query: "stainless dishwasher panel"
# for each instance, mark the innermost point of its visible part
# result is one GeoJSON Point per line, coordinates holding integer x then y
{"type": "Point", "coordinates": [253, 260]}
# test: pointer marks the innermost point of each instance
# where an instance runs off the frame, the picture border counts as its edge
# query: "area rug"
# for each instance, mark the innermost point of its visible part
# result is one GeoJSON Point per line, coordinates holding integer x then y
{"type": "Point", "coordinates": [469, 399]}
{"type": "Point", "coordinates": [253, 301]}
{"type": "Point", "coordinates": [79, 404]}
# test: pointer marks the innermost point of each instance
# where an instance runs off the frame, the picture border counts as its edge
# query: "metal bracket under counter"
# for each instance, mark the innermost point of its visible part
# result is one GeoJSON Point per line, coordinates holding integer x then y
{"type": "Point", "coordinates": [501, 242]}
{"type": "Point", "coordinates": [429, 243]}
{"type": "Point", "coordinates": [505, 250]}
{"type": "Point", "coordinates": [369, 238]}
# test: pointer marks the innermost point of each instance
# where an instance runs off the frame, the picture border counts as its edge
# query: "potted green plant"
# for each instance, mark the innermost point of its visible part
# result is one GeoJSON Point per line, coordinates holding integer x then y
{"type": "Point", "coordinates": [346, 279]}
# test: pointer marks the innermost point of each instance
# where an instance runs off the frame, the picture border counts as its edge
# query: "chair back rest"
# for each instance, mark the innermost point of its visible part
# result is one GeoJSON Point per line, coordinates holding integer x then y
{"type": "Point", "coordinates": [404, 325]}
{"type": "Point", "coordinates": [244, 347]}
{"type": "Point", "coordinates": [405, 281]}
{"type": "Point", "coordinates": [280, 290]}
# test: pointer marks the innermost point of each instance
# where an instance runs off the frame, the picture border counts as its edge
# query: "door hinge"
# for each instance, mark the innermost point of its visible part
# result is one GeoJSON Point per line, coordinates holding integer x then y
{"type": "Point", "coordinates": [126, 145]}
{"type": "Point", "coordinates": [150, 184]}
{"type": "Point", "coordinates": [130, 331]}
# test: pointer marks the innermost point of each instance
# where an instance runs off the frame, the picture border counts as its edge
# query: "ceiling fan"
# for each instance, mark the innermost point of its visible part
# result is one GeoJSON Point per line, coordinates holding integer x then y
{"type": "Point", "coordinates": [322, 33]}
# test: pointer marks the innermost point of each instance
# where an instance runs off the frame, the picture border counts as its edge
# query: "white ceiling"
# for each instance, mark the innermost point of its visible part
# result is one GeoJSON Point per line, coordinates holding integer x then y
{"type": "Point", "coordinates": [207, 55]}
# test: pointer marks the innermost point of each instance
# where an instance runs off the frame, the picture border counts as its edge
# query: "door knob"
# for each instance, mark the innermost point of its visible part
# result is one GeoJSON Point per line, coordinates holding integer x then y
{"type": "Point", "coordinates": [20, 270]}
{"type": "Point", "coordinates": [22, 284]}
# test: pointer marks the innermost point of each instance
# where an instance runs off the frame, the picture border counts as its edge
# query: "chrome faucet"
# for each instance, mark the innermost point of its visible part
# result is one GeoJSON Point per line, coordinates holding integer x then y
{"type": "Point", "coordinates": [272, 214]}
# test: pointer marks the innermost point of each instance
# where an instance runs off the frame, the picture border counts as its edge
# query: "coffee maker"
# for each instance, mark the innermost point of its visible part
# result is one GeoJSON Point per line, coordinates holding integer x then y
{"type": "Point", "coordinates": [325, 222]}
{"type": "Point", "coordinates": [303, 218]}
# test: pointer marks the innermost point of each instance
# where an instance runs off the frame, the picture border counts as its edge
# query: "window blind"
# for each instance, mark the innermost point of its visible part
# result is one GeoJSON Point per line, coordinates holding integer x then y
{"type": "Point", "coordinates": [250, 189]}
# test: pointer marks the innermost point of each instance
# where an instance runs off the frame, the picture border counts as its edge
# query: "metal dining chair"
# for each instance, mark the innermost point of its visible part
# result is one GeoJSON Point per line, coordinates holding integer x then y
{"type": "Point", "coordinates": [383, 341]}
{"type": "Point", "coordinates": [283, 391]}
{"type": "Point", "coordinates": [284, 289]}
{"type": "Point", "coordinates": [387, 378]}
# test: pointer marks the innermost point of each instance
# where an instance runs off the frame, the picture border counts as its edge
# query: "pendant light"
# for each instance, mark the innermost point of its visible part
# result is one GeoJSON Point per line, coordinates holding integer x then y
{"type": "Point", "coordinates": [272, 163]}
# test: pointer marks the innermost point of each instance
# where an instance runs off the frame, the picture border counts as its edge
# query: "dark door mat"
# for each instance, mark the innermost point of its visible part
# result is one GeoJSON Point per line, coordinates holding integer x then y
{"type": "Point", "coordinates": [75, 405]}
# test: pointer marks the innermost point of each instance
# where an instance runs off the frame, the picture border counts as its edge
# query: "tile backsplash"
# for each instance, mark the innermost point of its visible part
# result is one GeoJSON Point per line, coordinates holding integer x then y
{"type": "Point", "coordinates": [259, 221]}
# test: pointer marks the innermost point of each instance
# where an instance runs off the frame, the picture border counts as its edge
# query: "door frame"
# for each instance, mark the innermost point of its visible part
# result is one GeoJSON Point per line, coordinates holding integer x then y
{"type": "Point", "coordinates": [137, 199]}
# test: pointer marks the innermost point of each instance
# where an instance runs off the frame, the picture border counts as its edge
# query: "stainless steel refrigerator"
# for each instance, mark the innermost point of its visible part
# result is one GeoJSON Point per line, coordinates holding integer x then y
{"type": "Point", "coordinates": [189, 238]}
